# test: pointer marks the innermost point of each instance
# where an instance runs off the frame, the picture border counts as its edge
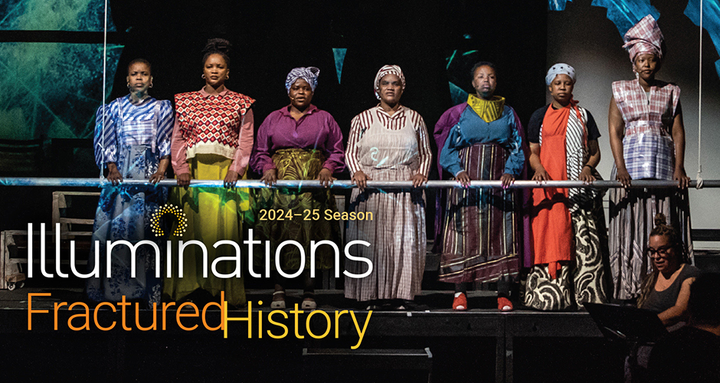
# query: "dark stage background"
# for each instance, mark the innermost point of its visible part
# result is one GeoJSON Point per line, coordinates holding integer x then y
{"type": "Point", "coordinates": [435, 43]}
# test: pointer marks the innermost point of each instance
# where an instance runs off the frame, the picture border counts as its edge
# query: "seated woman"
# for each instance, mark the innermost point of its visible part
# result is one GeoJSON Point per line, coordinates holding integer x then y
{"type": "Point", "coordinates": [691, 354]}
{"type": "Point", "coordinates": [666, 291]}
{"type": "Point", "coordinates": [298, 142]}
{"type": "Point", "coordinates": [568, 225]}
{"type": "Point", "coordinates": [132, 139]}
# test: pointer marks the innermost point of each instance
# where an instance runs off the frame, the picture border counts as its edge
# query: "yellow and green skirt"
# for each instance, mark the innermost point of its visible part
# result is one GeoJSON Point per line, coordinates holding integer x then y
{"type": "Point", "coordinates": [293, 216]}
{"type": "Point", "coordinates": [213, 214]}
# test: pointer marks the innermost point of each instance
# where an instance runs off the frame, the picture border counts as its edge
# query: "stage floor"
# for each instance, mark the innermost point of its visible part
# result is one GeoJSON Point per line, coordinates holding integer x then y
{"type": "Point", "coordinates": [489, 345]}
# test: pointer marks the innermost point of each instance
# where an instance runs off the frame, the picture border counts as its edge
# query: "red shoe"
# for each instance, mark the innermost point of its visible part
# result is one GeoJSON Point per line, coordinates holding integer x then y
{"type": "Point", "coordinates": [504, 304]}
{"type": "Point", "coordinates": [460, 302]}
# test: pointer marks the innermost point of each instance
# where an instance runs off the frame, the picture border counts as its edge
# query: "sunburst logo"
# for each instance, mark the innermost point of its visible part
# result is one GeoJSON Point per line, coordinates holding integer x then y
{"type": "Point", "coordinates": [161, 211]}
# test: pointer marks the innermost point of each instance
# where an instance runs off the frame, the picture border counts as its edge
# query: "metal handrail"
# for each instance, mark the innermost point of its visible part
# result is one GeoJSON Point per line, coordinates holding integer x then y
{"type": "Point", "coordinates": [345, 184]}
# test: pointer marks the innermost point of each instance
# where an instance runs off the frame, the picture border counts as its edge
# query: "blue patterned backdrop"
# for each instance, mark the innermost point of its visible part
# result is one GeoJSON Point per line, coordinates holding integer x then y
{"type": "Point", "coordinates": [626, 13]}
{"type": "Point", "coordinates": [52, 89]}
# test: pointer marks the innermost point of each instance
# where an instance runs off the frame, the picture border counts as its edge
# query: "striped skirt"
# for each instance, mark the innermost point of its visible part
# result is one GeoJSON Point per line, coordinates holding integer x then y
{"type": "Point", "coordinates": [396, 235]}
{"type": "Point", "coordinates": [632, 215]}
{"type": "Point", "coordinates": [480, 233]}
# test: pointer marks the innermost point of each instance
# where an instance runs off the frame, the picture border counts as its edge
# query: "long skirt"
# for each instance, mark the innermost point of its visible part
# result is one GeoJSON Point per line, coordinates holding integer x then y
{"type": "Point", "coordinates": [582, 280]}
{"type": "Point", "coordinates": [480, 235]}
{"type": "Point", "coordinates": [632, 215]}
{"type": "Point", "coordinates": [213, 214]}
{"type": "Point", "coordinates": [291, 214]}
{"type": "Point", "coordinates": [124, 213]}
{"type": "Point", "coordinates": [396, 233]}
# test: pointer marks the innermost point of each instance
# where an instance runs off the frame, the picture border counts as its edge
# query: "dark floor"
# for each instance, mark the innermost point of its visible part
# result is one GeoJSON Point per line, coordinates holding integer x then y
{"type": "Point", "coordinates": [544, 347]}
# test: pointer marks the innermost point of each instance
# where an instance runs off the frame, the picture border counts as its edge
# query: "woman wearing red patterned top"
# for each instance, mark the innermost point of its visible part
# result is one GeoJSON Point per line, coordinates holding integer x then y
{"type": "Point", "coordinates": [212, 140]}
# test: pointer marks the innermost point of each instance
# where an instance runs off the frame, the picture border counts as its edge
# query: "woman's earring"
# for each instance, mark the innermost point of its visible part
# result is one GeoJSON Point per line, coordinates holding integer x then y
{"type": "Point", "coordinates": [203, 76]}
{"type": "Point", "coordinates": [227, 76]}
{"type": "Point", "coordinates": [150, 85]}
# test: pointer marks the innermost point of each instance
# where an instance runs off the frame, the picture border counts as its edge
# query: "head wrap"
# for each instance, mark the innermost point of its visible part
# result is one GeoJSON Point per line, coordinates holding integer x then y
{"type": "Point", "coordinates": [309, 74]}
{"type": "Point", "coordinates": [644, 37]}
{"type": "Point", "coordinates": [559, 68]}
{"type": "Point", "coordinates": [384, 71]}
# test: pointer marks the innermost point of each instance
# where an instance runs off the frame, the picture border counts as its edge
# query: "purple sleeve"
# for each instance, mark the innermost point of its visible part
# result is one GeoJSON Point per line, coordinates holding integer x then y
{"type": "Point", "coordinates": [262, 160]}
{"type": "Point", "coordinates": [442, 129]}
{"type": "Point", "coordinates": [334, 148]}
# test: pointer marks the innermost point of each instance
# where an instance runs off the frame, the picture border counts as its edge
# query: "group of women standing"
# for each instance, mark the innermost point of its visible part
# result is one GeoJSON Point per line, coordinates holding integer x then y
{"type": "Point", "coordinates": [485, 235]}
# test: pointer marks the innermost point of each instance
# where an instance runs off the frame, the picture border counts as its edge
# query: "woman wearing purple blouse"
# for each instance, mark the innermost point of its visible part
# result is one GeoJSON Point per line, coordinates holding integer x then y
{"type": "Point", "coordinates": [298, 142]}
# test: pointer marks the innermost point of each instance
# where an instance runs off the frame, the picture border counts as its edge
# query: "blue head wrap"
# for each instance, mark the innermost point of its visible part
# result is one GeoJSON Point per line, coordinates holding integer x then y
{"type": "Point", "coordinates": [309, 74]}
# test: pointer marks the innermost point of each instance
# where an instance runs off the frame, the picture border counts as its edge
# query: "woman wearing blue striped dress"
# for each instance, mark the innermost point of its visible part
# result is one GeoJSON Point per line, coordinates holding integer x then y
{"type": "Point", "coordinates": [132, 141]}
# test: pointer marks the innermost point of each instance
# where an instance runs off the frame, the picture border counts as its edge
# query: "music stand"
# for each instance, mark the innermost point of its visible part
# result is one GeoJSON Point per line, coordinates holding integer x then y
{"type": "Point", "coordinates": [627, 323]}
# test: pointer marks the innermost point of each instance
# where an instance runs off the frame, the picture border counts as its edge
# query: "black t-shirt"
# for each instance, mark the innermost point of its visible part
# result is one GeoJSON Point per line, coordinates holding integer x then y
{"type": "Point", "coordinates": [536, 120]}
{"type": "Point", "coordinates": [659, 301]}
{"type": "Point", "coordinates": [686, 355]}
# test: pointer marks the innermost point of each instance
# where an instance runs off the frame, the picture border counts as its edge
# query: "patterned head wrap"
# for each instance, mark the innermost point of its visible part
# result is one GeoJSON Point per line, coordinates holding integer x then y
{"type": "Point", "coordinates": [309, 74]}
{"type": "Point", "coordinates": [559, 68]}
{"type": "Point", "coordinates": [644, 37]}
{"type": "Point", "coordinates": [384, 71]}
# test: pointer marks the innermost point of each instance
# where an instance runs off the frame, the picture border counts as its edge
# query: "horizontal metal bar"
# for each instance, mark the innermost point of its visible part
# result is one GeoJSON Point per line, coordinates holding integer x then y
{"type": "Point", "coordinates": [344, 184]}
{"type": "Point", "coordinates": [74, 37]}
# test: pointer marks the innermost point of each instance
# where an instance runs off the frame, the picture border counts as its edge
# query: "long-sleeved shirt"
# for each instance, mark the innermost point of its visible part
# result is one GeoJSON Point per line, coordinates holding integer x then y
{"type": "Point", "coordinates": [316, 129]}
{"type": "Point", "coordinates": [149, 123]}
{"type": "Point", "coordinates": [504, 131]}
{"type": "Point", "coordinates": [397, 121]}
{"type": "Point", "coordinates": [212, 124]}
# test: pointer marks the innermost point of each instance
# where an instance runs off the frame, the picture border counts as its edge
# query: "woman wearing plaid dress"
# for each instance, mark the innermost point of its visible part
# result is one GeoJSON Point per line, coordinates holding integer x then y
{"type": "Point", "coordinates": [647, 138]}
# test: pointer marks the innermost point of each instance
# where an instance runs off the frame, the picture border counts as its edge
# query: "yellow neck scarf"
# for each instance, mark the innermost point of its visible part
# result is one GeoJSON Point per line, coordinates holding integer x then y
{"type": "Point", "coordinates": [488, 110]}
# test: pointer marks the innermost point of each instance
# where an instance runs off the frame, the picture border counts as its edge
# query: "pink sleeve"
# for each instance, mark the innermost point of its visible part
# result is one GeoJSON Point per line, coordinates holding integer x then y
{"type": "Point", "coordinates": [245, 144]}
{"type": "Point", "coordinates": [178, 150]}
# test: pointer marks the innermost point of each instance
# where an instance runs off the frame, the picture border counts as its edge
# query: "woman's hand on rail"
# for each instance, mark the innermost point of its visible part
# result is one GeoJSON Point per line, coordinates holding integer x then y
{"type": "Point", "coordinates": [360, 179]}
{"type": "Point", "coordinates": [183, 179]}
{"type": "Point", "coordinates": [463, 178]}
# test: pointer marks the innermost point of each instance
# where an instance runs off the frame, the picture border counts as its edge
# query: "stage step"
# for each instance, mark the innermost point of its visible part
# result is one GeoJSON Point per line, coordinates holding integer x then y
{"type": "Point", "coordinates": [363, 365]}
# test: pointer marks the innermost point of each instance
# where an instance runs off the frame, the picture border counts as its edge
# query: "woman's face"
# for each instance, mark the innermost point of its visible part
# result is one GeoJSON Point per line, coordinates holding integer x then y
{"type": "Point", "coordinates": [300, 94]}
{"type": "Point", "coordinates": [646, 65]}
{"type": "Point", "coordinates": [561, 89]}
{"type": "Point", "coordinates": [663, 253]}
{"type": "Point", "coordinates": [484, 82]}
{"type": "Point", "coordinates": [390, 89]}
{"type": "Point", "coordinates": [215, 70]}
{"type": "Point", "coordinates": [139, 78]}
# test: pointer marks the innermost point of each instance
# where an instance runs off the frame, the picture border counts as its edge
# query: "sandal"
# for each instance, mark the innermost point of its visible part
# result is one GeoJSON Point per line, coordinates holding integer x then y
{"type": "Point", "coordinates": [308, 302]}
{"type": "Point", "coordinates": [504, 304]}
{"type": "Point", "coordinates": [460, 302]}
{"type": "Point", "coordinates": [278, 303]}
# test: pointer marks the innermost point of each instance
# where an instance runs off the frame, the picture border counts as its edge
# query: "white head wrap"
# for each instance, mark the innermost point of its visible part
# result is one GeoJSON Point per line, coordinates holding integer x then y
{"type": "Point", "coordinates": [384, 71]}
{"type": "Point", "coordinates": [559, 68]}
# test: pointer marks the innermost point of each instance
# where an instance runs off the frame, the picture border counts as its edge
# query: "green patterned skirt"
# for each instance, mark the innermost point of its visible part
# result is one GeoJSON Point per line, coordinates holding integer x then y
{"type": "Point", "coordinates": [284, 214]}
